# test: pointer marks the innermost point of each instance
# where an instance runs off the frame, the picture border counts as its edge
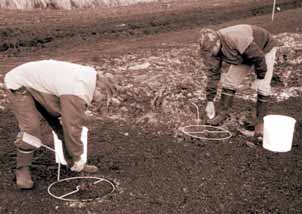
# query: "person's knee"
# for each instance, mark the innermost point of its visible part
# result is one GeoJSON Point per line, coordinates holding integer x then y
{"type": "Point", "coordinates": [229, 83]}
{"type": "Point", "coordinates": [33, 130]}
{"type": "Point", "coordinates": [229, 86]}
{"type": "Point", "coordinates": [264, 92]}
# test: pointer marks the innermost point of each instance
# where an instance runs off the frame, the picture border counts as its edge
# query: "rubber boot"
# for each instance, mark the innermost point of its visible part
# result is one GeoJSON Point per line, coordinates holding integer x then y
{"type": "Point", "coordinates": [23, 175]}
{"type": "Point", "coordinates": [261, 110]}
{"type": "Point", "coordinates": [226, 101]}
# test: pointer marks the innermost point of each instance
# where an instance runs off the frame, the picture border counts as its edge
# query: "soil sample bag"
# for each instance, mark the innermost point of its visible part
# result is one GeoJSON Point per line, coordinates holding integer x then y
{"type": "Point", "coordinates": [59, 147]}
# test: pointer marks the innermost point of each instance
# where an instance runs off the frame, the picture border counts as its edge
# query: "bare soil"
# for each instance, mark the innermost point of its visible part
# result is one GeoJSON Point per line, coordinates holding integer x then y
{"type": "Point", "coordinates": [155, 171]}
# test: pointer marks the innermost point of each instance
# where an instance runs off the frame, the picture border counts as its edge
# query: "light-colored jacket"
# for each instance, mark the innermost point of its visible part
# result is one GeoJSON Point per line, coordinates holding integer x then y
{"type": "Point", "coordinates": [54, 77]}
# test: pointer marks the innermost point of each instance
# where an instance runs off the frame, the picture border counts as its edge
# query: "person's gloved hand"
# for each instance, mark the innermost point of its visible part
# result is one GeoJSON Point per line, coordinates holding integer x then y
{"type": "Point", "coordinates": [210, 110]}
{"type": "Point", "coordinates": [78, 166]}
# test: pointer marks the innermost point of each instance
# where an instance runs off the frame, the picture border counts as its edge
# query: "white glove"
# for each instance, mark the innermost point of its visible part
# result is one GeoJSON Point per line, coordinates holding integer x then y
{"type": "Point", "coordinates": [210, 110]}
{"type": "Point", "coordinates": [78, 166]}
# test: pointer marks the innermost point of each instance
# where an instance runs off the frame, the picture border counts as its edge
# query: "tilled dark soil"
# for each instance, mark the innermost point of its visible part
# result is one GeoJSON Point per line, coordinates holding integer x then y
{"type": "Point", "coordinates": [154, 172]}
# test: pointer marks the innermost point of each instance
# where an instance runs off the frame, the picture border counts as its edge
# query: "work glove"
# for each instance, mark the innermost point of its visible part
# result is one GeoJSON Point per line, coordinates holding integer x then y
{"type": "Point", "coordinates": [78, 166]}
{"type": "Point", "coordinates": [210, 110]}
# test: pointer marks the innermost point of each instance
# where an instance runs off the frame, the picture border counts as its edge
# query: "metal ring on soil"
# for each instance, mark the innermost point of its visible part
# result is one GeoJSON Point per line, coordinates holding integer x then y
{"type": "Point", "coordinates": [218, 130]}
{"type": "Point", "coordinates": [62, 197]}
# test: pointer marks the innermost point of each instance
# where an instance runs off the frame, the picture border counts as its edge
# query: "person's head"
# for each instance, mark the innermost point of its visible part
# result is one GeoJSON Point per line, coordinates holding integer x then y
{"type": "Point", "coordinates": [106, 88]}
{"type": "Point", "coordinates": [209, 41]}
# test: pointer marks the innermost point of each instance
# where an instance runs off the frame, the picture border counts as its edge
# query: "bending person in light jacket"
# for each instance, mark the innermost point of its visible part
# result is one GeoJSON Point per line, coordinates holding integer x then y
{"type": "Point", "coordinates": [60, 92]}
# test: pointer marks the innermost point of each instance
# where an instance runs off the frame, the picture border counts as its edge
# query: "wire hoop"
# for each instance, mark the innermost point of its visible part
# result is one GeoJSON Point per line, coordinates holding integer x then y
{"type": "Point", "coordinates": [197, 131]}
{"type": "Point", "coordinates": [78, 188]}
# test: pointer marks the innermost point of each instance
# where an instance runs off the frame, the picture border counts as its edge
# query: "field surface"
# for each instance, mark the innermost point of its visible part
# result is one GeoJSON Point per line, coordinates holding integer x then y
{"type": "Point", "coordinates": [138, 145]}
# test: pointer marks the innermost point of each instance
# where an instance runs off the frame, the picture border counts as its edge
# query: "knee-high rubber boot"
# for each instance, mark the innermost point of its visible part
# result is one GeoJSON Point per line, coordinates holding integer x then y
{"type": "Point", "coordinates": [261, 110]}
{"type": "Point", "coordinates": [23, 175]}
{"type": "Point", "coordinates": [226, 101]}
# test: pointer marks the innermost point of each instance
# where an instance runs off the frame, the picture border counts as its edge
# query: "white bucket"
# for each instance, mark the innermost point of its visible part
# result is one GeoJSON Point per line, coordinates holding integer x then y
{"type": "Point", "coordinates": [278, 133]}
{"type": "Point", "coordinates": [59, 147]}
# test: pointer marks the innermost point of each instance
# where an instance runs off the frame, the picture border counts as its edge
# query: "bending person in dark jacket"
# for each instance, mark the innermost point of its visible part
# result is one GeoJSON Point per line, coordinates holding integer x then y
{"type": "Point", "coordinates": [60, 92]}
{"type": "Point", "coordinates": [246, 48]}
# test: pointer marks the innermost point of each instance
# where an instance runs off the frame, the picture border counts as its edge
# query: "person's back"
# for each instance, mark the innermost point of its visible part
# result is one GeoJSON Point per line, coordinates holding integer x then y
{"type": "Point", "coordinates": [54, 77]}
{"type": "Point", "coordinates": [241, 36]}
